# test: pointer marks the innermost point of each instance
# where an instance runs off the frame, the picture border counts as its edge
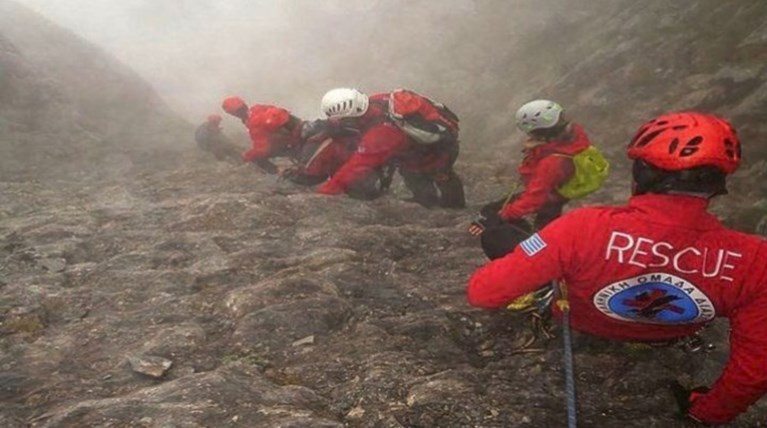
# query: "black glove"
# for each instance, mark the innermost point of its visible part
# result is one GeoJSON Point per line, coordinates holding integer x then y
{"type": "Point", "coordinates": [685, 397]}
{"type": "Point", "coordinates": [310, 129]}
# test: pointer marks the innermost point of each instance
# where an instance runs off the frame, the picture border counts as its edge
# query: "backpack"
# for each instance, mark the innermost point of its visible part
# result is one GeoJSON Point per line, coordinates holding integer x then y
{"type": "Point", "coordinates": [423, 119]}
{"type": "Point", "coordinates": [591, 170]}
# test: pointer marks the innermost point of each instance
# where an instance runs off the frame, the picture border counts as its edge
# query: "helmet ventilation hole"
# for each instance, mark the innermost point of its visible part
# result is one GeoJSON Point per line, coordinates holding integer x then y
{"type": "Point", "coordinates": [645, 140]}
{"type": "Point", "coordinates": [691, 147]}
{"type": "Point", "coordinates": [688, 151]}
{"type": "Point", "coordinates": [672, 147]}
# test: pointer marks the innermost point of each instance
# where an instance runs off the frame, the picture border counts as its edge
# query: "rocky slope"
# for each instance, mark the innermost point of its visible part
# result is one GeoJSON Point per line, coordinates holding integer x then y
{"type": "Point", "coordinates": [159, 289]}
{"type": "Point", "coordinates": [273, 315]}
{"type": "Point", "coordinates": [68, 109]}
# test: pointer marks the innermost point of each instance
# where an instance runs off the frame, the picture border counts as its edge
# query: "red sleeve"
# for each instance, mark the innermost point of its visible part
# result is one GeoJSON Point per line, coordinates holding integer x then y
{"type": "Point", "coordinates": [376, 148]}
{"type": "Point", "coordinates": [260, 147]}
{"type": "Point", "coordinates": [552, 171]}
{"type": "Point", "coordinates": [744, 379]}
{"type": "Point", "coordinates": [538, 260]}
{"type": "Point", "coordinates": [326, 158]}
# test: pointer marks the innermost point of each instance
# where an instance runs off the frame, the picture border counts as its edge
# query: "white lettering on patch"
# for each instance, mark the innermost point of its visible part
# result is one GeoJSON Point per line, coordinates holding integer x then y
{"type": "Point", "coordinates": [646, 253]}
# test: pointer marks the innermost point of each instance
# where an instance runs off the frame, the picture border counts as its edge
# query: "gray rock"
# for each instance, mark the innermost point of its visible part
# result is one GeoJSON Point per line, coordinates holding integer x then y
{"type": "Point", "coordinates": [9, 418]}
{"type": "Point", "coordinates": [26, 320]}
{"type": "Point", "coordinates": [201, 400]}
{"type": "Point", "coordinates": [308, 340]}
{"type": "Point", "coordinates": [175, 341]}
{"type": "Point", "coordinates": [53, 264]}
{"type": "Point", "coordinates": [150, 365]}
{"type": "Point", "coordinates": [277, 326]}
{"type": "Point", "coordinates": [11, 384]}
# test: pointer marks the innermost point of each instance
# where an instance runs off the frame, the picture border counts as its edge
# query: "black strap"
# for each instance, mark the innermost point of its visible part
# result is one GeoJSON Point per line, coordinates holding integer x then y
{"type": "Point", "coordinates": [386, 178]}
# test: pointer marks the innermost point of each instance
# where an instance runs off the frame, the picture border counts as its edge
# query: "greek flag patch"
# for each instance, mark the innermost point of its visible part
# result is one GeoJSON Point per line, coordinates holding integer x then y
{"type": "Point", "coordinates": [533, 245]}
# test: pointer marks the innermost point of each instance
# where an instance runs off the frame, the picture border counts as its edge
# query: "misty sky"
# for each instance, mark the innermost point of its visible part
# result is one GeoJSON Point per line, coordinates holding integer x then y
{"type": "Point", "coordinates": [177, 45]}
{"type": "Point", "coordinates": [196, 51]}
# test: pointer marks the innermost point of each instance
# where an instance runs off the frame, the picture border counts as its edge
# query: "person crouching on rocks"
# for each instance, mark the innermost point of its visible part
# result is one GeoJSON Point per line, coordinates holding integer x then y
{"type": "Point", "coordinates": [274, 132]}
{"type": "Point", "coordinates": [385, 145]}
{"type": "Point", "coordinates": [549, 174]}
{"type": "Point", "coordinates": [210, 138]}
{"type": "Point", "coordinates": [659, 268]}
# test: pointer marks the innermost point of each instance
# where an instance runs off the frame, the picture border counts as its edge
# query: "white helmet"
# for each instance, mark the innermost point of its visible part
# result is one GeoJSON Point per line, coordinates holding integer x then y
{"type": "Point", "coordinates": [538, 114]}
{"type": "Point", "coordinates": [344, 102]}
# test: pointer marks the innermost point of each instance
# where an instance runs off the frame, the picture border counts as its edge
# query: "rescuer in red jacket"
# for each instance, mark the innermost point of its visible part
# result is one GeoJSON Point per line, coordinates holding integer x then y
{"type": "Point", "coordinates": [660, 267]}
{"type": "Point", "coordinates": [542, 171]}
{"type": "Point", "coordinates": [324, 149]}
{"type": "Point", "coordinates": [379, 141]}
{"type": "Point", "coordinates": [273, 131]}
{"type": "Point", "coordinates": [546, 165]}
{"type": "Point", "coordinates": [382, 146]}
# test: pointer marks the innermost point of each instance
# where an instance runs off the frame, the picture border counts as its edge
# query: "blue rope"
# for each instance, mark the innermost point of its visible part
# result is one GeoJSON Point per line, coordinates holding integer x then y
{"type": "Point", "coordinates": [569, 370]}
{"type": "Point", "coordinates": [564, 306]}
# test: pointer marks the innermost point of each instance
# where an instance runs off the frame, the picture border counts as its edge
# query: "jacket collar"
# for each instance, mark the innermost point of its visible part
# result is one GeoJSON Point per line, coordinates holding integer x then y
{"type": "Point", "coordinates": [682, 210]}
{"type": "Point", "coordinates": [574, 142]}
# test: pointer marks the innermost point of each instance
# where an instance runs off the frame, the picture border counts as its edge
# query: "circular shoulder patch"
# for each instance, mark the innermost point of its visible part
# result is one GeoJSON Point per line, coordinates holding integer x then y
{"type": "Point", "coordinates": [655, 298]}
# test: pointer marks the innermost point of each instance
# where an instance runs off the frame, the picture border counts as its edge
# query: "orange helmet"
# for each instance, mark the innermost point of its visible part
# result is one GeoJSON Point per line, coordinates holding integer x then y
{"type": "Point", "coordinates": [680, 141]}
{"type": "Point", "coordinates": [215, 119]}
{"type": "Point", "coordinates": [232, 104]}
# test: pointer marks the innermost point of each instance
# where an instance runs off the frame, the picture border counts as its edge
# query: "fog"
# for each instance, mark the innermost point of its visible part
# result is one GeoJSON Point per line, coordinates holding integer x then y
{"type": "Point", "coordinates": [611, 63]}
{"type": "Point", "coordinates": [480, 57]}
{"type": "Point", "coordinates": [195, 52]}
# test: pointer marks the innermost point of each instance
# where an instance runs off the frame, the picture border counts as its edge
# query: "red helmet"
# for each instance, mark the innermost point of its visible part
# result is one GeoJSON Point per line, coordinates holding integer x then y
{"type": "Point", "coordinates": [232, 104]}
{"type": "Point", "coordinates": [267, 118]}
{"type": "Point", "coordinates": [215, 119]}
{"type": "Point", "coordinates": [679, 141]}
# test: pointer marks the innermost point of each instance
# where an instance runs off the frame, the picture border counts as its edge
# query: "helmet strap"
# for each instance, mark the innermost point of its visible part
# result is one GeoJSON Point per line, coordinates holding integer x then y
{"type": "Point", "coordinates": [706, 181]}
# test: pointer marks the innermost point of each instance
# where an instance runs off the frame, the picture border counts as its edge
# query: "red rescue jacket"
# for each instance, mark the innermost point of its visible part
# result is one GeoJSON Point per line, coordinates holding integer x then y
{"type": "Point", "coordinates": [269, 134]}
{"type": "Point", "coordinates": [656, 269]}
{"type": "Point", "coordinates": [328, 157]}
{"type": "Point", "coordinates": [380, 142]}
{"type": "Point", "coordinates": [542, 171]}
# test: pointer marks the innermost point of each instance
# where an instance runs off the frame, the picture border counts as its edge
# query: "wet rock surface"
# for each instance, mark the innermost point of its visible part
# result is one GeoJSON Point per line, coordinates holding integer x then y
{"type": "Point", "coordinates": [279, 307]}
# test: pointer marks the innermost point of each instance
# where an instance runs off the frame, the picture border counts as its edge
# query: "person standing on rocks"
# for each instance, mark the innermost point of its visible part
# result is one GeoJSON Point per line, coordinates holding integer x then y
{"type": "Point", "coordinates": [548, 174]}
{"type": "Point", "coordinates": [659, 268]}
{"type": "Point", "coordinates": [210, 138]}
{"type": "Point", "coordinates": [388, 141]}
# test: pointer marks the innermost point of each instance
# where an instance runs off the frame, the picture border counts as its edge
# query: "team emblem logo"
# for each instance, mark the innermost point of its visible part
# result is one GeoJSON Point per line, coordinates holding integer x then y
{"type": "Point", "coordinates": [656, 298]}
